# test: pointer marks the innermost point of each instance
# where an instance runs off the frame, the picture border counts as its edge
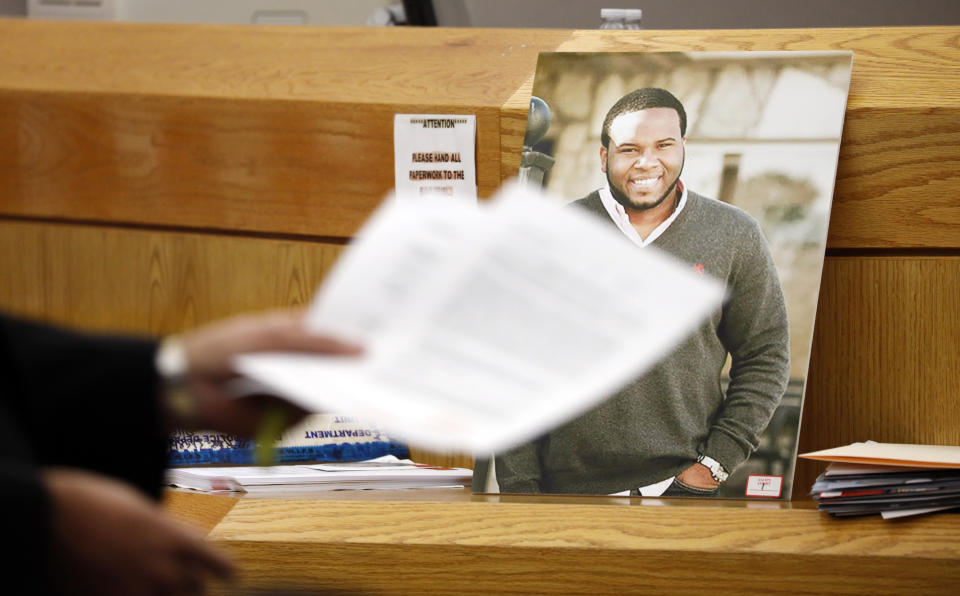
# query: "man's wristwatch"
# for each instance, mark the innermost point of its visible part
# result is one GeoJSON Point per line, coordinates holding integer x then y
{"type": "Point", "coordinates": [716, 470]}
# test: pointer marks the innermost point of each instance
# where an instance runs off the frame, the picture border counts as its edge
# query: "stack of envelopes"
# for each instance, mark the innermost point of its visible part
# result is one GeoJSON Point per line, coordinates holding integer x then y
{"type": "Point", "coordinates": [894, 480]}
{"type": "Point", "coordinates": [863, 489]}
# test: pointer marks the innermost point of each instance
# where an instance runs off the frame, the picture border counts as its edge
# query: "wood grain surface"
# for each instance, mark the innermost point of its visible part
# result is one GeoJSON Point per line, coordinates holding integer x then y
{"type": "Point", "coordinates": [884, 363]}
{"type": "Point", "coordinates": [543, 525]}
{"type": "Point", "coordinates": [292, 567]}
{"type": "Point", "coordinates": [239, 128]}
{"type": "Point", "coordinates": [203, 511]}
{"type": "Point", "coordinates": [154, 282]}
{"type": "Point", "coordinates": [439, 458]}
{"type": "Point", "coordinates": [543, 548]}
{"type": "Point", "coordinates": [359, 65]}
{"type": "Point", "coordinates": [266, 129]}
{"type": "Point", "coordinates": [272, 166]}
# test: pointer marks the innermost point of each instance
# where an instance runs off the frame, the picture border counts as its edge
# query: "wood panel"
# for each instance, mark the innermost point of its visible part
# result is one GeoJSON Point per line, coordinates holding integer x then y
{"type": "Point", "coordinates": [884, 364]}
{"type": "Point", "coordinates": [361, 65]}
{"type": "Point", "coordinates": [542, 546]}
{"type": "Point", "coordinates": [449, 569]}
{"type": "Point", "coordinates": [151, 281]}
{"type": "Point", "coordinates": [290, 167]}
{"type": "Point", "coordinates": [241, 128]}
{"type": "Point", "coordinates": [440, 458]}
{"type": "Point", "coordinates": [203, 511]}
{"type": "Point", "coordinates": [279, 130]}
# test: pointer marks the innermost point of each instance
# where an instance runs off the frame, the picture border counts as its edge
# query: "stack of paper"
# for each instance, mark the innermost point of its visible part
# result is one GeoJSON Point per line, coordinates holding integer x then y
{"type": "Point", "coordinates": [893, 480]}
{"type": "Point", "coordinates": [386, 472]}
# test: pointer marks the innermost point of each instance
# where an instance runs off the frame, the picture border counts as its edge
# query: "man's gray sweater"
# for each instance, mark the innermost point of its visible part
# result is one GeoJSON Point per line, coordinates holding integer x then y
{"type": "Point", "coordinates": [655, 427]}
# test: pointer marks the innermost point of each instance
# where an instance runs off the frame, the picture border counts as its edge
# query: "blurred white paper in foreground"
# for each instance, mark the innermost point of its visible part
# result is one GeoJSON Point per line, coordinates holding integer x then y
{"type": "Point", "coordinates": [486, 326]}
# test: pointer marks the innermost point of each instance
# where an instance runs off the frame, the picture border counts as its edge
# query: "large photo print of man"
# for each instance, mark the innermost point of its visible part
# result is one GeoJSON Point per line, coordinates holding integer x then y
{"type": "Point", "coordinates": [676, 431]}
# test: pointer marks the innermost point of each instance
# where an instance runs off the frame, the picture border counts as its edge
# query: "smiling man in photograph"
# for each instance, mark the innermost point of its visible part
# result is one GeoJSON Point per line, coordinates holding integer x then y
{"type": "Point", "coordinates": [674, 431]}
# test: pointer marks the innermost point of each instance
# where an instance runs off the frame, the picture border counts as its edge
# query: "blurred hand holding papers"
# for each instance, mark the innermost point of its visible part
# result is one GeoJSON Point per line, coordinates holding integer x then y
{"type": "Point", "coordinates": [487, 325]}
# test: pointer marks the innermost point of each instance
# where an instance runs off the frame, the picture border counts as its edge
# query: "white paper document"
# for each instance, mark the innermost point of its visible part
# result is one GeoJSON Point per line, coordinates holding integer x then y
{"type": "Point", "coordinates": [487, 325]}
{"type": "Point", "coordinates": [910, 512]}
{"type": "Point", "coordinates": [386, 472]}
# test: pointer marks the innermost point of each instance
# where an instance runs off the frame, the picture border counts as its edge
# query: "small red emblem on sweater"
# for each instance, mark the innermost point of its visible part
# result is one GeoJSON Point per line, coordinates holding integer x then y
{"type": "Point", "coordinates": [698, 268]}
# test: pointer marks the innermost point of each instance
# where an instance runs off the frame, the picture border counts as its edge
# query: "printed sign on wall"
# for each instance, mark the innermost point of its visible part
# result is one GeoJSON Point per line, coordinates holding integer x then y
{"type": "Point", "coordinates": [434, 155]}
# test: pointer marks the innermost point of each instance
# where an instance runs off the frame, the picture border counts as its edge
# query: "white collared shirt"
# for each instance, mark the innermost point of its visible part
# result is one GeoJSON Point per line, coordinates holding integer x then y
{"type": "Point", "coordinates": [619, 216]}
{"type": "Point", "coordinates": [651, 490]}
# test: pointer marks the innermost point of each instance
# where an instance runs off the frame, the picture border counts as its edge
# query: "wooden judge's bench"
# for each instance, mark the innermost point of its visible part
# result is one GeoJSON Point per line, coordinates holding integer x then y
{"type": "Point", "coordinates": [154, 177]}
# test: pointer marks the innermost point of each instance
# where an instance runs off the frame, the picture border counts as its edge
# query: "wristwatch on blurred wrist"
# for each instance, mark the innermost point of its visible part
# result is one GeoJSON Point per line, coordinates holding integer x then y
{"type": "Point", "coordinates": [172, 366]}
{"type": "Point", "coordinates": [716, 470]}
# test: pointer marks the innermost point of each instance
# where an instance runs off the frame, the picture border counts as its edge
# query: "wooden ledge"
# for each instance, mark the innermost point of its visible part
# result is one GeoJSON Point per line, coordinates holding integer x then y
{"type": "Point", "coordinates": [377, 544]}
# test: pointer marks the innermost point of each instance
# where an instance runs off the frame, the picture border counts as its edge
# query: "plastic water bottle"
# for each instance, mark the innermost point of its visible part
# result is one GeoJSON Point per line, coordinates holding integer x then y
{"type": "Point", "coordinates": [613, 18]}
{"type": "Point", "coordinates": [620, 18]}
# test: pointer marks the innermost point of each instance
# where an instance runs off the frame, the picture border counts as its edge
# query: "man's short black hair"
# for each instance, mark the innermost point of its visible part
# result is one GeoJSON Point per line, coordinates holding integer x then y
{"type": "Point", "coordinates": [642, 99]}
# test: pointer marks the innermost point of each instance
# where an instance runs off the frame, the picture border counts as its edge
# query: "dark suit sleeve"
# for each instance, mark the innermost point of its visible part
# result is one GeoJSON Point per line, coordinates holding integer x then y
{"type": "Point", "coordinates": [24, 507]}
{"type": "Point", "coordinates": [71, 399]}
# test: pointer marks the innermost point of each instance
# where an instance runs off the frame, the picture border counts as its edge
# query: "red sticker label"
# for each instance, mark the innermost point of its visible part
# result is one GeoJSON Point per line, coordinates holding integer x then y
{"type": "Point", "coordinates": [764, 486]}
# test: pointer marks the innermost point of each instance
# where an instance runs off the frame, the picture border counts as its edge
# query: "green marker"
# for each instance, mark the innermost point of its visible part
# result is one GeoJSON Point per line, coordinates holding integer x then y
{"type": "Point", "coordinates": [271, 428]}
